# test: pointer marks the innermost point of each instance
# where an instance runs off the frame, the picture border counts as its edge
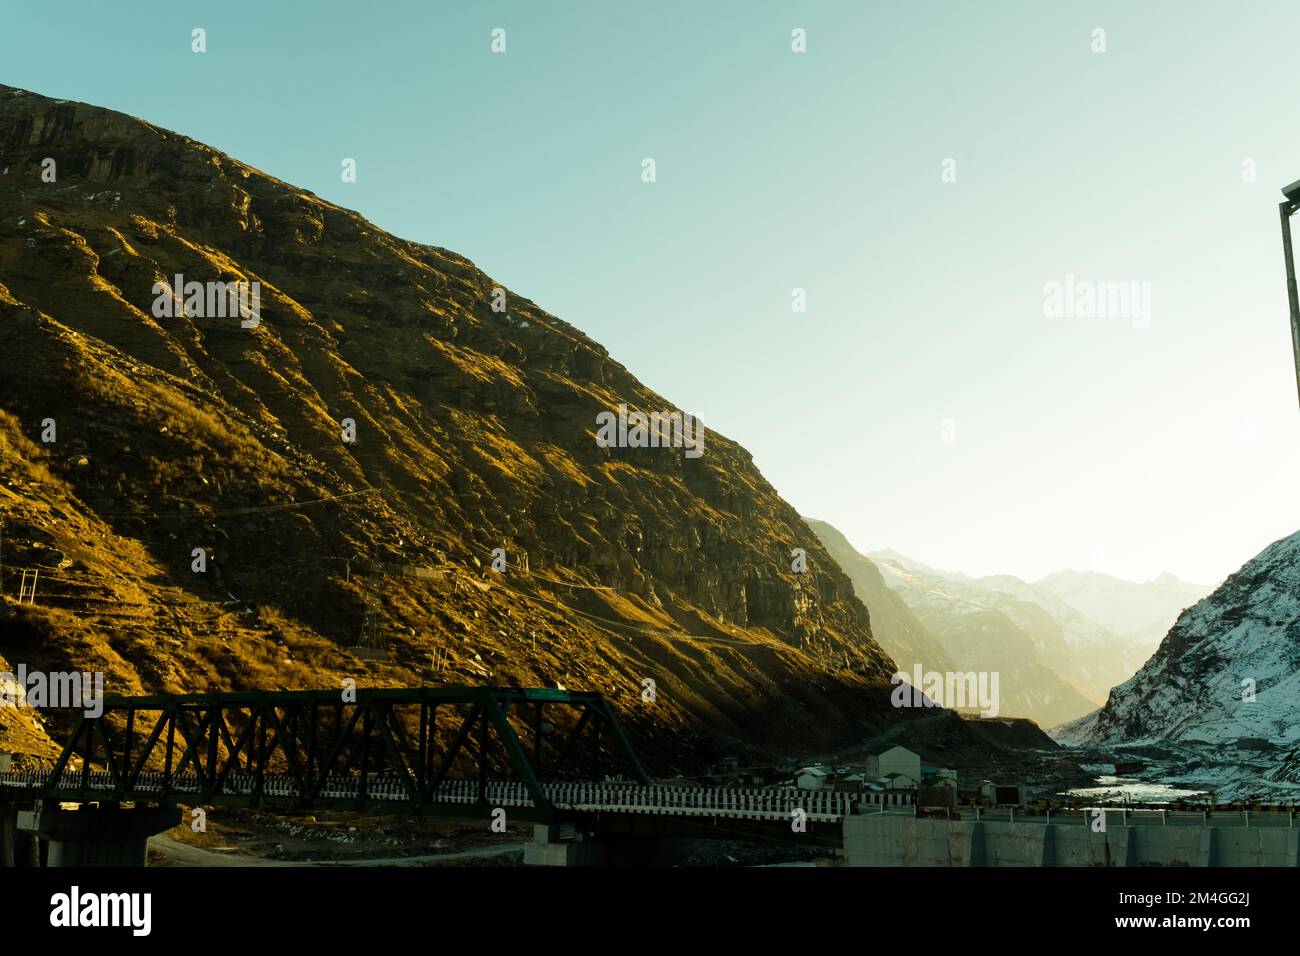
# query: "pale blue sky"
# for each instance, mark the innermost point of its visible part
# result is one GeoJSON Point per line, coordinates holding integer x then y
{"type": "Point", "coordinates": [1079, 443]}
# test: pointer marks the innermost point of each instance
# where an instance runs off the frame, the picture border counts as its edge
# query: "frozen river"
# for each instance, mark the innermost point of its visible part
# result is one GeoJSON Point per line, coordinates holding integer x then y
{"type": "Point", "coordinates": [1133, 790]}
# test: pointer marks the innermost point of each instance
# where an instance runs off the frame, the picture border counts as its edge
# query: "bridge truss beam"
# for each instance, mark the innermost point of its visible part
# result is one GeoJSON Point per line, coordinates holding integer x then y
{"type": "Point", "coordinates": [230, 743]}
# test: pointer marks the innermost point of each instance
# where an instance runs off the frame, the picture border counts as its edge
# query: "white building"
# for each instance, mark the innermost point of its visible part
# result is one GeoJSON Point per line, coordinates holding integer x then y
{"type": "Point", "coordinates": [813, 778]}
{"type": "Point", "coordinates": [891, 759]}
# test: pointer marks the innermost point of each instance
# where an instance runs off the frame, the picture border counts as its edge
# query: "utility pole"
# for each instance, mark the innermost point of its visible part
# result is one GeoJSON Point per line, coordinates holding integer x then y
{"type": "Point", "coordinates": [1285, 211]}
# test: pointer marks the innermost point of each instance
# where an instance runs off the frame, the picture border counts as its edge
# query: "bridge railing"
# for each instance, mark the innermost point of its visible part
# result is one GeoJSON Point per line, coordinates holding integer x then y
{"type": "Point", "coordinates": [768, 803]}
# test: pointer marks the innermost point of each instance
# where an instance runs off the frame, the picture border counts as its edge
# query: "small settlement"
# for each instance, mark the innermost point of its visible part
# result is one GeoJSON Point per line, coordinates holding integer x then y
{"type": "Point", "coordinates": [895, 776]}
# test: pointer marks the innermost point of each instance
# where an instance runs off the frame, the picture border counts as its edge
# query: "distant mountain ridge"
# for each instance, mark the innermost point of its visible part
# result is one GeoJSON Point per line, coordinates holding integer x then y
{"type": "Point", "coordinates": [984, 629]}
{"type": "Point", "coordinates": [1057, 661]}
{"type": "Point", "coordinates": [1093, 654]}
{"type": "Point", "coordinates": [1144, 610]}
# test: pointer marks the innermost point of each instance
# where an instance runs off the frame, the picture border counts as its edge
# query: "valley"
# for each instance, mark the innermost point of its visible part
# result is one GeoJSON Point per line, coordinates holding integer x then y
{"type": "Point", "coordinates": [388, 471]}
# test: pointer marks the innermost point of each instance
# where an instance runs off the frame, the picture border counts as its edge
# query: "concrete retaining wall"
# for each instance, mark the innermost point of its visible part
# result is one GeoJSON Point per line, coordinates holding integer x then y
{"type": "Point", "coordinates": [891, 840]}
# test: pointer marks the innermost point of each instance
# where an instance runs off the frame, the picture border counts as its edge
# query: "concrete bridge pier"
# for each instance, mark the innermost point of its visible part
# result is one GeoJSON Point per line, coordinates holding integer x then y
{"type": "Point", "coordinates": [105, 834]}
{"type": "Point", "coordinates": [17, 848]}
{"type": "Point", "coordinates": [557, 844]}
{"type": "Point", "coordinates": [8, 829]}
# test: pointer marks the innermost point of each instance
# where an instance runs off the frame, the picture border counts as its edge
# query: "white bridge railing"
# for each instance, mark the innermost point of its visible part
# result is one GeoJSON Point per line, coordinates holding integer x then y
{"type": "Point", "coordinates": [755, 803]}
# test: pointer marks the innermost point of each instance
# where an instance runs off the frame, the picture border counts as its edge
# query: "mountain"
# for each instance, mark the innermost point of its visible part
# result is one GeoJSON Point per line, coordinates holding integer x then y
{"type": "Point", "coordinates": [226, 499]}
{"type": "Point", "coordinates": [899, 631]}
{"type": "Point", "coordinates": [985, 629]}
{"type": "Point", "coordinates": [1088, 654]}
{"type": "Point", "coordinates": [1144, 611]}
{"type": "Point", "coordinates": [1194, 688]}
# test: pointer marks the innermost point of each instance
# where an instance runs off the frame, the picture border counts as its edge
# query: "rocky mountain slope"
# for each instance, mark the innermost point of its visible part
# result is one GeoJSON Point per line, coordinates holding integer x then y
{"type": "Point", "coordinates": [899, 631]}
{"type": "Point", "coordinates": [131, 438]}
{"type": "Point", "coordinates": [1241, 642]}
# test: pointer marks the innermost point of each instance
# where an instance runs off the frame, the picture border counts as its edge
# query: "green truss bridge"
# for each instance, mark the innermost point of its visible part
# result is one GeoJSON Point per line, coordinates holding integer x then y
{"type": "Point", "coordinates": [557, 759]}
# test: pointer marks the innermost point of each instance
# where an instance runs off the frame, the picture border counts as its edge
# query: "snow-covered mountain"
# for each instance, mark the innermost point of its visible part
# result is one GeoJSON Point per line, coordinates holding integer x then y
{"type": "Point", "coordinates": [982, 628]}
{"type": "Point", "coordinates": [1057, 661]}
{"type": "Point", "coordinates": [1144, 611]}
{"type": "Point", "coordinates": [1092, 656]}
{"type": "Point", "coordinates": [1229, 668]}
{"type": "Point", "coordinates": [1088, 655]}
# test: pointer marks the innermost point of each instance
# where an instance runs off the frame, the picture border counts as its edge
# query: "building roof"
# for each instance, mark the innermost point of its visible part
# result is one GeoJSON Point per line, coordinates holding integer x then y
{"type": "Point", "coordinates": [879, 749]}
